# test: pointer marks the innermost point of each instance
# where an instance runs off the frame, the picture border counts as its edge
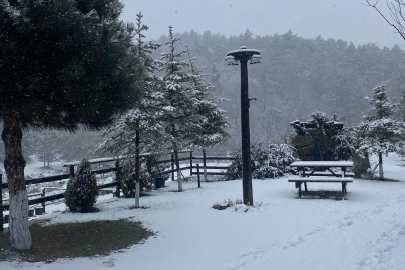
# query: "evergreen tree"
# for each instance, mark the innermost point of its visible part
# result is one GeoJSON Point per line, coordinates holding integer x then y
{"type": "Point", "coordinates": [212, 120]}
{"type": "Point", "coordinates": [139, 128]}
{"type": "Point", "coordinates": [379, 132]}
{"type": "Point", "coordinates": [81, 191]}
{"type": "Point", "coordinates": [63, 64]}
{"type": "Point", "coordinates": [179, 116]}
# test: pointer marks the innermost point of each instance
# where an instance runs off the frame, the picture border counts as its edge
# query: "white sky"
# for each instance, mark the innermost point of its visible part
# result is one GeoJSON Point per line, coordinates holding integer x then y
{"type": "Point", "coordinates": [349, 20]}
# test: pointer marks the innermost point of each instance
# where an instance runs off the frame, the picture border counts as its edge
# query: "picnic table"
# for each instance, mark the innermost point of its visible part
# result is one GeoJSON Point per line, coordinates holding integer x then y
{"type": "Point", "coordinates": [328, 175]}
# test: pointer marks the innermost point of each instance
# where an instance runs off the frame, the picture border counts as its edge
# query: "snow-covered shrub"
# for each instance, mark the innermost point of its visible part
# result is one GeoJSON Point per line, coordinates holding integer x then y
{"type": "Point", "coordinates": [82, 191]}
{"type": "Point", "coordinates": [321, 137]}
{"type": "Point", "coordinates": [127, 178]}
{"type": "Point", "coordinates": [267, 161]}
{"type": "Point", "coordinates": [347, 147]}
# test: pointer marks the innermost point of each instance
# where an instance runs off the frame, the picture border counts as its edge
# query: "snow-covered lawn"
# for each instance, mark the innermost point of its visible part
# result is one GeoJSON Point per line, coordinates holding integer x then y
{"type": "Point", "coordinates": [366, 231]}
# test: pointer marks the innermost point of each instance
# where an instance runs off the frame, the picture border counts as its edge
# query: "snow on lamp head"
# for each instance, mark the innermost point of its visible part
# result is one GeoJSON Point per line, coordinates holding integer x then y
{"type": "Point", "coordinates": [243, 54]}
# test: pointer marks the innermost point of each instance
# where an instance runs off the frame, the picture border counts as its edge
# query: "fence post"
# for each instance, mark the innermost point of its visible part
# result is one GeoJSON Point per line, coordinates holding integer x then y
{"type": "Point", "coordinates": [72, 171]}
{"type": "Point", "coordinates": [191, 163]}
{"type": "Point", "coordinates": [205, 166]}
{"type": "Point", "coordinates": [117, 176]}
{"type": "Point", "coordinates": [43, 195]}
{"type": "Point", "coordinates": [198, 174]}
{"type": "Point", "coordinates": [172, 168]}
{"type": "Point", "coordinates": [1, 203]}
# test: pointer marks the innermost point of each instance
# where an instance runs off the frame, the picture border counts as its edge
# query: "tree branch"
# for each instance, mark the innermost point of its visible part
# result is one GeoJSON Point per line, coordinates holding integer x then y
{"type": "Point", "coordinates": [395, 12]}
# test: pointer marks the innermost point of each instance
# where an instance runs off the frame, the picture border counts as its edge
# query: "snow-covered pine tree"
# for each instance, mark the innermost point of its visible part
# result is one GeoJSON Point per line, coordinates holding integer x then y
{"type": "Point", "coordinates": [140, 127]}
{"type": "Point", "coordinates": [180, 115]}
{"type": "Point", "coordinates": [127, 178]}
{"type": "Point", "coordinates": [81, 191]}
{"type": "Point", "coordinates": [212, 120]}
{"type": "Point", "coordinates": [379, 133]}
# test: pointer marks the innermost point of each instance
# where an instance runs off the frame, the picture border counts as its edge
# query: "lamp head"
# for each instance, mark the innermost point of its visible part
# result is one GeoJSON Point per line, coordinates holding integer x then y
{"type": "Point", "coordinates": [256, 59]}
{"type": "Point", "coordinates": [243, 54]}
{"type": "Point", "coordinates": [231, 60]}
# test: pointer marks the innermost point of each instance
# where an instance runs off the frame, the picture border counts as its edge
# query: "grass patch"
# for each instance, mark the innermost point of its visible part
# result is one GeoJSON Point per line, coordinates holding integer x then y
{"type": "Point", "coordinates": [322, 194]}
{"type": "Point", "coordinates": [71, 240]}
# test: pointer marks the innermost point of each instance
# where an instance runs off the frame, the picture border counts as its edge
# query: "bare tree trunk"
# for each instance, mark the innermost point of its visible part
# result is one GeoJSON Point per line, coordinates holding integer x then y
{"type": "Point", "coordinates": [14, 164]}
{"type": "Point", "coordinates": [176, 160]}
{"type": "Point", "coordinates": [137, 185]}
{"type": "Point", "coordinates": [380, 166]}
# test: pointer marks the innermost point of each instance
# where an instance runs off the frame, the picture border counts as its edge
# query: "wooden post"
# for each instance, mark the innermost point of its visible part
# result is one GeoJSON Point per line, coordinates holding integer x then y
{"type": "Point", "coordinates": [191, 163]}
{"type": "Point", "coordinates": [172, 167]}
{"type": "Point", "coordinates": [198, 174]}
{"type": "Point", "coordinates": [299, 190]}
{"type": "Point", "coordinates": [1, 203]}
{"type": "Point", "coordinates": [205, 166]}
{"type": "Point", "coordinates": [43, 195]}
{"type": "Point", "coordinates": [72, 171]}
{"type": "Point", "coordinates": [117, 176]}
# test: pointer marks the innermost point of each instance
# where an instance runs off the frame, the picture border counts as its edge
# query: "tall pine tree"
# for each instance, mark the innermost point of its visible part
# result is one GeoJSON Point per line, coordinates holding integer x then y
{"type": "Point", "coordinates": [212, 120]}
{"type": "Point", "coordinates": [180, 115]}
{"type": "Point", "coordinates": [140, 128]}
{"type": "Point", "coordinates": [63, 64]}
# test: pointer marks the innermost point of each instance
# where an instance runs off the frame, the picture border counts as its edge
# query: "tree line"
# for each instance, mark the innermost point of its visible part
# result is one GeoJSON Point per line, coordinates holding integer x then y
{"type": "Point", "coordinates": [297, 76]}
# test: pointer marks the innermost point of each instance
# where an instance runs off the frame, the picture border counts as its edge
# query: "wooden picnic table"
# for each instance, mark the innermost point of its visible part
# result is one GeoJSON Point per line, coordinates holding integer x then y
{"type": "Point", "coordinates": [314, 176]}
{"type": "Point", "coordinates": [327, 165]}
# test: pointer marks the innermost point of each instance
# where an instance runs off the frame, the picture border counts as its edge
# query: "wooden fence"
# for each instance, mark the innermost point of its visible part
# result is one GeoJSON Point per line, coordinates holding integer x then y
{"type": "Point", "coordinates": [150, 161]}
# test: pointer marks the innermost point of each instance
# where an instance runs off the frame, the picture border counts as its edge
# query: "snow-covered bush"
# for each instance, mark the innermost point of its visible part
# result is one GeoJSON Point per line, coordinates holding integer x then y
{"type": "Point", "coordinates": [82, 191]}
{"type": "Point", "coordinates": [322, 137]}
{"type": "Point", "coordinates": [127, 177]}
{"type": "Point", "coordinates": [267, 161]}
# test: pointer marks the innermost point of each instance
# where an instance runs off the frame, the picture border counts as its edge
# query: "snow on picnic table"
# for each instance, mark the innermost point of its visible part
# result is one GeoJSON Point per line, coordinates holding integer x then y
{"type": "Point", "coordinates": [367, 231]}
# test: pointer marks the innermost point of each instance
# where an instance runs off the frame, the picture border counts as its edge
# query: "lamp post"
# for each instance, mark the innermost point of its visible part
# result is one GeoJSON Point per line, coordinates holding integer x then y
{"type": "Point", "coordinates": [243, 55]}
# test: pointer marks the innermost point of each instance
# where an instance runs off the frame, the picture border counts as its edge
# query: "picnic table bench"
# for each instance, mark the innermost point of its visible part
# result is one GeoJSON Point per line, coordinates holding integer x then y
{"type": "Point", "coordinates": [328, 176]}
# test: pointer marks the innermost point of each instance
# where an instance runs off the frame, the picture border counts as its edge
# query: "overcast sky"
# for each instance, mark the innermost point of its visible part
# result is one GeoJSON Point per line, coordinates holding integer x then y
{"type": "Point", "coordinates": [349, 20]}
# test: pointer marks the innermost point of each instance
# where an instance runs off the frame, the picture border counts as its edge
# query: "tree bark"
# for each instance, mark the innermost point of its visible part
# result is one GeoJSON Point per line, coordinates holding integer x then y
{"type": "Point", "coordinates": [176, 160]}
{"type": "Point", "coordinates": [14, 164]}
{"type": "Point", "coordinates": [205, 166]}
{"type": "Point", "coordinates": [380, 166]}
{"type": "Point", "coordinates": [137, 185]}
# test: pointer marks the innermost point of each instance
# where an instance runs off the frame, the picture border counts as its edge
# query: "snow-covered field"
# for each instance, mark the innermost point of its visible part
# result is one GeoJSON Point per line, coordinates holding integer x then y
{"type": "Point", "coordinates": [366, 231]}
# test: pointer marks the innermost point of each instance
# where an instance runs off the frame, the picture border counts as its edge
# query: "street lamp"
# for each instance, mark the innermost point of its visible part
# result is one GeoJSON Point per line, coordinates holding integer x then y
{"type": "Point", "coordinates": [243, 55]}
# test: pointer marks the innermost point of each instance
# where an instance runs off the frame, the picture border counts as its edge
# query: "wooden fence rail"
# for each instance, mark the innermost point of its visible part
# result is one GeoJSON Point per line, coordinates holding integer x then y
{"type": "Point", "coordinates": [43, 199]}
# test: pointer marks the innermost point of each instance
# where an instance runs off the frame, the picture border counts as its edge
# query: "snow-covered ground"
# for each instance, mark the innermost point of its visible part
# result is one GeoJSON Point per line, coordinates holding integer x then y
{"type": "Point", "coordinates": [366, 231]}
